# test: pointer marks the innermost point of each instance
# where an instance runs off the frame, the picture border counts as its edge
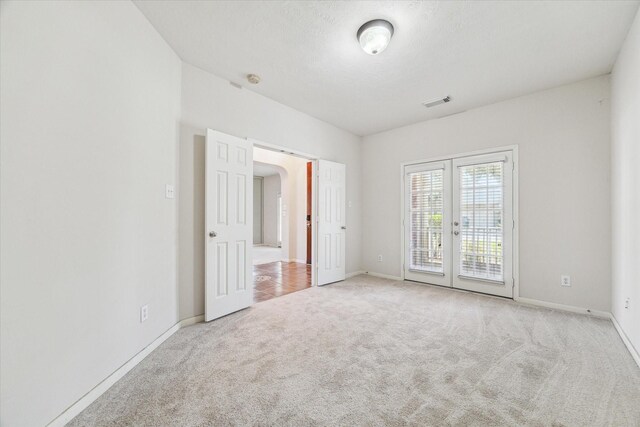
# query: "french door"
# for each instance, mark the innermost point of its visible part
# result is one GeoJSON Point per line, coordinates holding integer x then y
{"type": "Point", "coordinates": [459, 223]}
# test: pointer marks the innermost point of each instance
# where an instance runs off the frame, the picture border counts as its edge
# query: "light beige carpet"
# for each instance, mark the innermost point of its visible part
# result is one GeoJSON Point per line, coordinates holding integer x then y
{"type": "Point", "coordinates": [376, 352]}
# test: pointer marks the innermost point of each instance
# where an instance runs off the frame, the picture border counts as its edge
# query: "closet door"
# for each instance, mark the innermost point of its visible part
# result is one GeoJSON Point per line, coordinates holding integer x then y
{"type": "Point", "coordinates": [483, 223]}
{"type": "Point", "coordinates": [427, 223]}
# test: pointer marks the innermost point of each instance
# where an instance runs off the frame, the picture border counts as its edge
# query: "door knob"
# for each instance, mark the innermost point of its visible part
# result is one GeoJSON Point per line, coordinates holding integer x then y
{"type": "Point", "coordinates": [343, 227]}
{"type": "Point", "coordinates": [455, 233]}
{"type": "Point", "coordinates": [455, 223]}
{"type": "Point", "coordinates": [212, 234]}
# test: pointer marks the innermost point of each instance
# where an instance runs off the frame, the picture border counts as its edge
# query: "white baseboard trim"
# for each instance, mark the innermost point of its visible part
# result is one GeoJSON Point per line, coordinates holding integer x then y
{"type": "Point", "coordinates": [191, 321]}
{"type": "Point", "coordinates": [570, 308]}
{"type": "Point", "coordinates": [383, 276]}
{"type": "Point", "coordinates": [72, 411]}
{"type": "Point", "coordinates": [301, 261]}
{"type": "Point", "coordinates": [353, 274]}
{"type": "Point", "coordinates": [626, 340]}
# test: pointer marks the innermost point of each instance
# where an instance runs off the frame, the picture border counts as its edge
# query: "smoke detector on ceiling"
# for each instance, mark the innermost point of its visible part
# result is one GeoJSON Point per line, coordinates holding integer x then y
{"type": "Point", "coordinates": [253, 78]}
{"type": "Point", "coordinates": [438, 101]}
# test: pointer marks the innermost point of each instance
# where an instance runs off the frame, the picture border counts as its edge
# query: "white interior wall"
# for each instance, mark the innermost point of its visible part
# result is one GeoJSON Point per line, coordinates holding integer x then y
{"type": "Point", "coordinates": [563, 139]}
{"type": "Point", "coordinates": [211, 102]}
{"type": "Point", "coordinates": [625, 185]}
{"type": "Point", "coordinates": [90, 106]}
{"type": "Point", "coordinates": [271, 185]}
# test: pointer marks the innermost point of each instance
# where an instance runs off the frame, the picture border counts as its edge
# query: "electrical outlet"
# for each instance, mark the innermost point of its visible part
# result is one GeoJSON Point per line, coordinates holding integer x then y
{"type": "Point", "coordinates": [379, 258]}
{"type": "Point", "coordinates": [169, 191]}
{"type": "Point", "coordinates": [627, 303]}
{"type": "Point", "coordinates": [144, 313]}
{"type": "Point", "coordinates": [565, 280]}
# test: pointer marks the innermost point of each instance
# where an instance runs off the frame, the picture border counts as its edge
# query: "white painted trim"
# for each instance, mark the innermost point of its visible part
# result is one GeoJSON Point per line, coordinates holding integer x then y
{"type": "Point", "coordinates": [459, 155]}
{"type": "Point", "coordinates": [563, 307]}
{"type": "Point", "coordinates": [626, 340]}
{"type": "Point", "coordinates": [300, 261]}
{"type": "Point", "coordinates": [383, 276]}
{"type": "Point", "coordinates": [282, 149]}
{"type": "Point", "coordinates": [72, 411]}
{"type": "Point", "coordinates": [314, 222]}
{"type": "Point", "coordinates": [596, 313]}
{"type": "Point", "coordinates": [190, 321]}
{"type": "Point", "coordinates": [402, 218]}
{"type": "Point", "coordinates": [515, 214]}
{"type": "Point", "coordinates": [354, 273]}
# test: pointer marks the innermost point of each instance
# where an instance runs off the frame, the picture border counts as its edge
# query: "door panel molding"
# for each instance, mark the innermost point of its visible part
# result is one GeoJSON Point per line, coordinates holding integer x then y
{"type": "Point", "coordinates": [331, 222]}
{"type": "Point", "coordinates": [229, 224]}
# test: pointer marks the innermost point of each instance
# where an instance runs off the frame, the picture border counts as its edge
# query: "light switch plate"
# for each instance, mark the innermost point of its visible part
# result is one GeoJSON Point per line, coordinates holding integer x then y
{"type": "Point", "coordinates": [170, 191]}
{"type": "Point", "coordinates": [565, 280]}
{"type": "Point", "coordinates": [144, 313]}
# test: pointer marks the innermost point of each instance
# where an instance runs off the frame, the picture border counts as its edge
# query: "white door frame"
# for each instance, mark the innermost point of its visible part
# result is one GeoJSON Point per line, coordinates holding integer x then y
{"type": "Point", "coordinates": [314, 201]}
{"type": "Point", "coordinates": [515, 191]}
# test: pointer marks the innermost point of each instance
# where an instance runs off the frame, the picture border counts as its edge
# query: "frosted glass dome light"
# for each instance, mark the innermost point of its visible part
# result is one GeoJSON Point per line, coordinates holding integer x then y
{"type": "Point", "coordinates": [374, 36]}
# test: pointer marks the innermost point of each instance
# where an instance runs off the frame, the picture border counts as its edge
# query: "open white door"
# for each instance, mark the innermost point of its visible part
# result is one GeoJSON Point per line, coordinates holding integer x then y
{"type": "Point", "coordinates": [331, 222]}
{"type": "Point", "coordinates": [483, 224]}
{"type": "Point", "coordinates": [229, 224]}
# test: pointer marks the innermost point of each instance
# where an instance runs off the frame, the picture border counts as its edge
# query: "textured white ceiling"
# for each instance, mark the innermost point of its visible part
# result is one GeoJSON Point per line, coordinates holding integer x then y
{"type": "Point", "coordinates": [476, 52]}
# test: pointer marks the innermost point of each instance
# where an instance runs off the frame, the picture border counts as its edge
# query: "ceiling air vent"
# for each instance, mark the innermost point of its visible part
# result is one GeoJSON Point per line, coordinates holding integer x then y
{"type": "Point", "coordinates": [434, 102]}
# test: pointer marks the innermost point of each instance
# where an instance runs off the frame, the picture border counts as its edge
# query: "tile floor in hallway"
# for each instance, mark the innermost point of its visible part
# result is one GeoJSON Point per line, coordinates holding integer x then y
{"type": "Point", "coordinates": [279, 278]}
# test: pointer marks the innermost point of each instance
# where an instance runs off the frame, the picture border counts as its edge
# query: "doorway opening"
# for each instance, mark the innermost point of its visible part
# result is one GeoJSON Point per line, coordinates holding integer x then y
{"type": "Point", "coordinates": [229, 270]}
{"type": "Point", "coordinates": [282, 228]}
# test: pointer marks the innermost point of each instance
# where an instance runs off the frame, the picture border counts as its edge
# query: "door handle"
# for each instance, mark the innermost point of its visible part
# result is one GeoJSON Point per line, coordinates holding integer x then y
{"type": "Point", "coordinates": [456, 233]}
{"type": "Point", "coordinates": [343, 227]}
{"type": "Point", "coordinates": [455, 223]}
{"type": "Point", "coordinates": [212, 234]}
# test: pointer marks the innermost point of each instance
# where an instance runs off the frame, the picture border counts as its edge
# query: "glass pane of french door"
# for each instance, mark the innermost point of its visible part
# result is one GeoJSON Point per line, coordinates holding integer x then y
{"type": "Point", "coordinates": [483, 223]}
{"type": "Point", "coordinates": [426, 230]}
{"type": "Point", "coordinates": [427, 233]}
{"type": "Point", "coordinates": [481, 209]}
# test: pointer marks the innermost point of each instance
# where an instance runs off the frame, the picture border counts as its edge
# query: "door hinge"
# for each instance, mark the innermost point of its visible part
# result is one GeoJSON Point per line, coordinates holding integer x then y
{"type": "Point", "coordinates": [513, 224]}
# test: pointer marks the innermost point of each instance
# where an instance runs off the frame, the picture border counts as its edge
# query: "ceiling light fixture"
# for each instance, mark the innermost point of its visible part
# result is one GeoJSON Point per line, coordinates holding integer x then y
{"type": "Point", "coordinates": [374, 36]}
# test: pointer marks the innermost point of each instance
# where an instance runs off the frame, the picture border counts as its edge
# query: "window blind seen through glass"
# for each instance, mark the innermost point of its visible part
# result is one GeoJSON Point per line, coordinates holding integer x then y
{"type": "Point", "coordinates": [481, 225]}
{"type": "Point", "coordinates": [426, 228]}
